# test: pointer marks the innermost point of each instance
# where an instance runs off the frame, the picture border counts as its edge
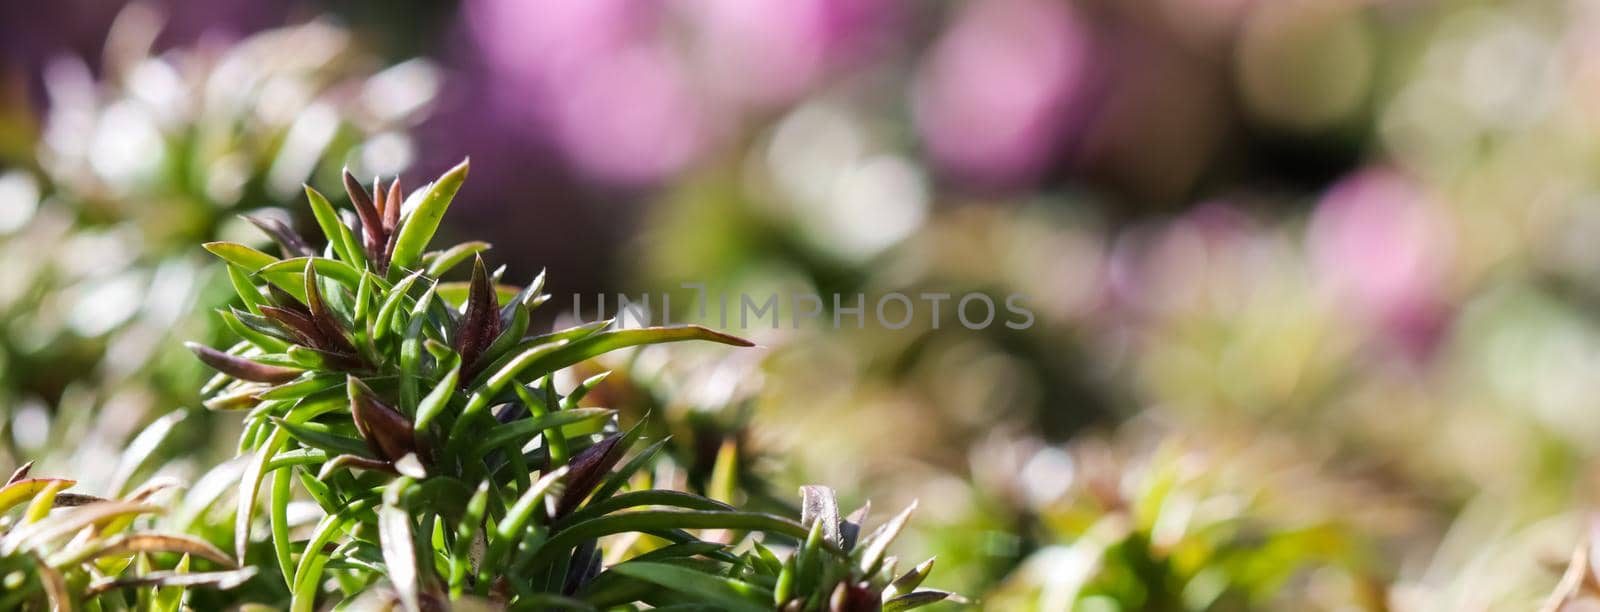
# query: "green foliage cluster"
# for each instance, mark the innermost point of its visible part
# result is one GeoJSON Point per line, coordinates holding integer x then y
{"type": "Point", "coordinates": [421, 424]}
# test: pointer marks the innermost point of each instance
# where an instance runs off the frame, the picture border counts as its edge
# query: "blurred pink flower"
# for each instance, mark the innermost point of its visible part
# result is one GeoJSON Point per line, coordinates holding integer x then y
{"type": "Point", "coordinates": [991, 99]}
{"type": "Point", "coordinates": [598, 79]}
{"type": "Point", "coordinates": [1382, 251]}
{"type": "Point", "coordinates": [1198, 261]}
{"type": "Point", "coordinates": [634, 91]}
{"type": "Point", "coordinates": [765, 53]}
{"type": "Point", "coordinates": [551, 39]}
{"type": "Point", "coordinates": [632, 119]}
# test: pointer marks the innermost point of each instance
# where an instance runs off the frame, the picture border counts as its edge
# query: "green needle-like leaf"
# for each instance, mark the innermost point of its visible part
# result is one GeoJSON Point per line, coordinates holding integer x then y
{"type": "Point", "coordinates": [438, 399]}
{"type": "Point", "coordinates": [319, 436]}
{"type": "Point", "coordinates": [724, 593]}
{"type": "Point", "coordinates": [248, 293]}
{"type": "Point", "coordinates": [339, 237]}
{"type": "Point", "coordinates": [648, 497]}
{"type": "Point", "coordinates": [467, 532]}
{"type": "Point", "coordinates": [417, 228]}
{"type": "Point", "coordinates": [399, 546]}
{"type": "Point", "coordinates": [524, 429]}
{"type": "Point", "coordinates": [447, 260]}
{"type": "Point", "coordinates": [382, 324]}
{"type": "Point", "coordinates": [240, 255]}
{"type": "Point", "coordinates": [911, 601]}
{"type": "Point", "coordinates": [657, 520]}
{"type": "Point", "coordinates": [278, 520]}
{"type": "Point", "coordinates": [261, 340]}
{"type": "Point", "coordinates": [291, 271]}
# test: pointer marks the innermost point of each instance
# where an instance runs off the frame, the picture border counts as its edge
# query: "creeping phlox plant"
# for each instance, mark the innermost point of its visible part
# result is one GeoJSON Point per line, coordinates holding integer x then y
{"type": "Point", "coordinates": [426, 422]}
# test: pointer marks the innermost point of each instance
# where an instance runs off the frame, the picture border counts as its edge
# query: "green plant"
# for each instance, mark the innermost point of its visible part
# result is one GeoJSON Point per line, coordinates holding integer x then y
{"type": "Point", "coordinates": [141, 157]}
{"type": "Point", "coordinates": [425, 421]}
{"type": "Point", "coordinates": [67, 550]}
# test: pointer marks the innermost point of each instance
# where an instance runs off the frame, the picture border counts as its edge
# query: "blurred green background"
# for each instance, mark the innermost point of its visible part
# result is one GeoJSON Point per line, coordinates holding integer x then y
{"type": "Point", "coordinates": [1314, 280]}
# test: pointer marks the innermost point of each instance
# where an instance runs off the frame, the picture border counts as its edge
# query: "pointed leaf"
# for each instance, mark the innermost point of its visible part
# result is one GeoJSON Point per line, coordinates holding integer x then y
{"type": "Point", "coordinates": [391, 207]}
{"type": "Point", "coordinates": [170, 598]}
{"type": "Point", "coordinates": [292, 271]}
{"type": "Point", "coordinates": [658, 520]}
{"type": "Point", "coordinates": [23, 489]}
{"type": "Point", "coordinates": [294, 323]}
{"type": "Point", "coordinates": [319, 436]}
{"type": "Point", "coordinates": [139, 450]}
{"type": "Point", "coordinates": [875, 545]}
{"type": "Point", "coordinates": [308, 571]}
{"type": "Point", "coordinates": [387, 432]}
{"type": "Point", "coordinates": [372, 234]}
{"type": "Point", "coordinates": [72, 521]}
{"type": "Point", "coordinates": [467, 532]}
{"type": "Point", "coordinates": [443, 262]}
{"type": "Point", "coordinates": [20, 473]}
{"type": "Point", "coordinates": [620, 477]}
{"type": "Point", "coordinates": [909, 581]}
{"type": "Point", "coordinates": [288, 240]}
{"type": "Point", "coordinates": [241, 368]}
{"type": "Point", "coordinates": [411, 352]}
{"type": "Point", "coordinates": [123, 544]}
{"type": "Point", "coordinates": [819, 504]}
{"type": "Point", "coordinates": [301, 387]}
{"type": "Point", "coordinates": [250, 260]}
{"type": "Point", "coordinates": [723, 593]}
{"type": "Point", "coordinates": [524, 299]}
{"type": "Point", "coordinates": [240, 255]}
{"type": "Point", "coordinates": [911, 601]}
{"type": "Point", "coordinates": [438, 399]}
{"type": "Point", "coordinates": [524, 429]}
{"type": "Point", "coordinates": [481, 323]}
{"type": "Point", "coordinates": [850, 529]}
{"type": "Point", "coordinates": [589, 467]}
{"type": "Point", "coordinates": [391, 305]}
{"type": "Point", "coordinates": [278, 520]}
{"type": "Point", "coordinates": [725, 473]}
{"type": "Point", "coordinates": [250, 488]}
{"type": "Point", "coordinates": [399, 546]}
{"type": "Point", "coordinates": [380, 197]}
{"type": "Point", "coordinates": [242, 285]}
{"type": "Point", "coordinates": [339, 236]}
{"type": "Point", "coordinates": [345, 462]}
{"type": "Point", "coordinates": [647, 497]}
{"type": "Point", "coordinates": [328, 325]}
{"type": "Point", "coordinates": [521, 512]}
{"type": "Point", "coordinates": [263, 341]}
{"type": "Point", "coordinates": [582, 390]}
{"type": "Point", "coordinates": [221, 580]}
{"type": "Point", "coordinates": [417, 228]}
{"type": "Point", "coordinates": [363, 308]}
{"type": "Point", "coordinates": [316, 359]}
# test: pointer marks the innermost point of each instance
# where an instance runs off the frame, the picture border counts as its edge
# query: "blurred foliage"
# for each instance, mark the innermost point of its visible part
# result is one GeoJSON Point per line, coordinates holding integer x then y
{"type": "Point", "coordinates": [1202, 520]}
{"type": "Point", "coordinates": [136, 163]}
{"type": "Point", "coordinates": [1310, 261]}
{"type": "Point", "coordinates": [66, 551]}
